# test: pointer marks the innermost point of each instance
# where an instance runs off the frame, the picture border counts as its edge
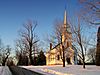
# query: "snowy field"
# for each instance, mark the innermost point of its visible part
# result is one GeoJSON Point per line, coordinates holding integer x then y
{"type": "Point", "coordinates": [68, 70]}
{"type": "Point", "coordinates": [4, 70]}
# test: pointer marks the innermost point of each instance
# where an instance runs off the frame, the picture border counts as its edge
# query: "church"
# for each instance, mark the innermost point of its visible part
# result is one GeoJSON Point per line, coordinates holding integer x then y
{"type": "Point", "coordinates": [55, 54]}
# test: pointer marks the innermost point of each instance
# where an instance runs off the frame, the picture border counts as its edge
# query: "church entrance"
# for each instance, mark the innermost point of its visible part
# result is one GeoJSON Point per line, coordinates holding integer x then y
{"type": "Point", "coordinates": [68, 60]}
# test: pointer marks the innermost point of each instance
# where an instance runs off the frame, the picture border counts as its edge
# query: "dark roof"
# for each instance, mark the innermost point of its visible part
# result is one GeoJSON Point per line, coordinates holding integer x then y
{"type": "Point", "coordinates": [56, 46]}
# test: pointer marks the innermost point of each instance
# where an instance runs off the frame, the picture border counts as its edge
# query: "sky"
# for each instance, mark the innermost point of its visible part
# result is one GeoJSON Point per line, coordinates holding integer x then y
{"type": "Point", "coordinates": [15, 13]}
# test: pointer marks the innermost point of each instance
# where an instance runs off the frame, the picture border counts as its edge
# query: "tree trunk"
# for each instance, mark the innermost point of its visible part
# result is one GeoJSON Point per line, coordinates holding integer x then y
{"type": "Point", "coordinates": [80, 43]}
{"type": "Point", "coordinates": [83, 61]}
{"type": "Point", "coordinates": [3, 64]}
{"type": "Point", "coordinates": [30, 57]}
{"type": "Point", "coordinates": [4, 60]}
{"type": "Point", "coordinates": [30, 51]}
{"type": "Point", "coordinates": [83, 56]}
{"type": "Point", "coordinates": [63, 56]}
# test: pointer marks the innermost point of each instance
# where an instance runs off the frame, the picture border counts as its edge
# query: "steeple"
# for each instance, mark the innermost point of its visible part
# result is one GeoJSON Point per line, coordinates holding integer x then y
{"type": "Point", "coordinates": [65, 19]}
{"type": "Point", "coordinates": [66, 25]}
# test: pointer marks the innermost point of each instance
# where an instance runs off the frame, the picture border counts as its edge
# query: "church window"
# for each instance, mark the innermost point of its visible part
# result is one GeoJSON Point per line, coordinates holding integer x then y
{"type": "Point", "coordinates": [67, 44]}
{"type": "Point", "coordinates": [58, 57]}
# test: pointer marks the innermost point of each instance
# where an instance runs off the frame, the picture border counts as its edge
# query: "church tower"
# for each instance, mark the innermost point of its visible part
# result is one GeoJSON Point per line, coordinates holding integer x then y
{"type": "Point", "coordinates": [66, 34]}
{"type": "Point", "coordinates": [67, 40]}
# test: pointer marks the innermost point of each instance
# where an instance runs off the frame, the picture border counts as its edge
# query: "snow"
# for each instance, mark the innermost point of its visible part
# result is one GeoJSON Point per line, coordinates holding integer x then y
{"type": "Point", "coordinates": [68, 70]}
{"type": "Point", "coordinates": [4, 70]}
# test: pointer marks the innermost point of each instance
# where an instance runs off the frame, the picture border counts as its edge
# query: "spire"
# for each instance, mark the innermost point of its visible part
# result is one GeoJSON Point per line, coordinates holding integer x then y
{"type": "Point", "coordinates": [65, 19]}
{"type": "Point", "coordinates": [66, 25]}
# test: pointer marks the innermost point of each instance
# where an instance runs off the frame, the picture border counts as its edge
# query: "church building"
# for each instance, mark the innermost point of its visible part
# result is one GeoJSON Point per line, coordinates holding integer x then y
{"type": "Point", "coordinates": [55, 54]}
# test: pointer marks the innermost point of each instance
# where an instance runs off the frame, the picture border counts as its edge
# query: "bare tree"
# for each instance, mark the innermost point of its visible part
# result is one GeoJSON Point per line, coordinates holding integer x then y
{"type": "Point", "coordinates": [90, 11]}
{"type": "Point", "coordinates": [21, 53]}
{"type": "Point", "coordinates": [29, 38]}
{"type": "Point", "coordinates": [91, 14]}
{"type": "Point", "coordinates": [5, 55]}
{"type": "Point", "coordinates": [91, 55]}
{"type": "Point", "coordinates": [91, 52]}
{"type": "Point", "coordinates": [78, 41]}
{"type": "Point", "coordinates": [1, 49]}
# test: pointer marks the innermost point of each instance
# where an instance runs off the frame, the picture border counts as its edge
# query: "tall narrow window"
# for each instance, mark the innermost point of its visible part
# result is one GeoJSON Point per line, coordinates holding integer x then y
{"type": "Point", "coordinates": [58, 57]}
{"type": "Point", "coordinates": [67, 44]}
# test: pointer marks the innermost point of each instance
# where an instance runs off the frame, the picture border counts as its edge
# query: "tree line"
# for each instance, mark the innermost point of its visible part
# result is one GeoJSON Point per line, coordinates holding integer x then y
{"type": "Point", "coordinates": [27, 51]}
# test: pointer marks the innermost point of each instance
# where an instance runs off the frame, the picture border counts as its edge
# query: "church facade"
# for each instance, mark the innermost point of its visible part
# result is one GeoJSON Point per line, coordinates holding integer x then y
{"type": "Point", "coordinates": [55, 55]}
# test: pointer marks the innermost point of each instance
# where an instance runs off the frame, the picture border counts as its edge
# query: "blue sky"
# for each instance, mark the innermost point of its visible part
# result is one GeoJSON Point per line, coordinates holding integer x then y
{"type": "Point", "coordinates": [14, 13]}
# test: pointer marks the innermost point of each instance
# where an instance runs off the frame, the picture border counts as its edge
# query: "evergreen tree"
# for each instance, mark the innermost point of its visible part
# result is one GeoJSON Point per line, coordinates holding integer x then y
{"type": "Point", "coordinates": [41, 60]}
{"type": "Point", "coordinates": [98, 48]}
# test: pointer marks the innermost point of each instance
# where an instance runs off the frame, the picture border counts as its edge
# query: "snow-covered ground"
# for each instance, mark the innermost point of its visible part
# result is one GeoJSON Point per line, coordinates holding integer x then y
{"type": "Point", "coordinates": [4, 70]}
{"type": "Point", "coordinates": [68, 70]}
